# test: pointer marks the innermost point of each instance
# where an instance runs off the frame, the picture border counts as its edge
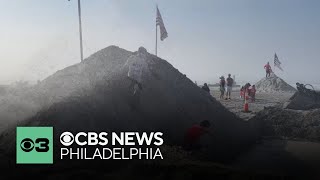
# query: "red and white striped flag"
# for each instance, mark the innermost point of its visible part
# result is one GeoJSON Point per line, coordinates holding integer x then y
{"type": "Point", "coordinates": [159, 22]}
{"type": "Point", "coordinates": [277, 63]}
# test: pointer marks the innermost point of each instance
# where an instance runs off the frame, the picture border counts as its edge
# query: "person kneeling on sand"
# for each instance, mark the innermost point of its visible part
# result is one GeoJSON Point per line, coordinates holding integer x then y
{"type": "Point", "coordinates": [194, 134]}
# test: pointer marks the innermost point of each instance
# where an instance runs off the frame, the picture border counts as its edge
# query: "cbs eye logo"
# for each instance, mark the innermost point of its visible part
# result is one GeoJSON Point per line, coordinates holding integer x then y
{"type": "Point", "coordinates": [66, 138]}
{"type": "Point", "coordinates": [28, 145]}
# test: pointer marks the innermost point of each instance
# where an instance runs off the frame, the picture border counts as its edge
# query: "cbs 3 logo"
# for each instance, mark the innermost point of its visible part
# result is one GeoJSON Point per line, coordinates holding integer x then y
{"type": "Point", "coordinates": [40, 145]}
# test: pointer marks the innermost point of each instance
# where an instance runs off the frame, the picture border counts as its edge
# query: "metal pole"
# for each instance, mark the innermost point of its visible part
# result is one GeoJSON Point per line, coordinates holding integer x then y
{"type": "Point", "coordinates": [156, 29]}
{"type": "Point", "coordinates": [156, 39]}
{"type": "Point", "coordinates": [80, 30]}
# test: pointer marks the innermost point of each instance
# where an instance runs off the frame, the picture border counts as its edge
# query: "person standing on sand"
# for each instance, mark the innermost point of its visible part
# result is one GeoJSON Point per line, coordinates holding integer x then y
{"type": "Point", "coordinates": [252, 93]}
{"type": "Point", "coordinates": [222, 86]}
{"type": "Point", "coordinates": [206, 88]}
{"type": "Point", "coordinates": [229, 86]}
{"type": "Point", "coordinates": [246, 89]}
{"type": "Point", "coordinates": [268, 69]}
{"type": "Point", "coordinates": [242, 92]}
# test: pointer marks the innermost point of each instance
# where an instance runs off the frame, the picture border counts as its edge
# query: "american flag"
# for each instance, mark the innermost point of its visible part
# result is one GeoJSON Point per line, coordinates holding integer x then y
{"type": "Point", "coordinates": [277, 63]}
{"type": "Point", "coordinates": [159, 22]}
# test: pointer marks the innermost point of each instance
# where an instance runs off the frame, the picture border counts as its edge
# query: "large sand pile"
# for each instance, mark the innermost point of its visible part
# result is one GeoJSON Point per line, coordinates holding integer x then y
{"type": "Point", "coordinates": [96, 95]}
{"type": "Point", "coordinates": [302, 101]}
{"type": "Point", "coordinates": [273, 84]}
{"type": "Point", "coordinates": [275, 121]}
{"type": "Point", "coordinates": [94, 69]}
{"type": "Point", "coordinates": [21, 100]}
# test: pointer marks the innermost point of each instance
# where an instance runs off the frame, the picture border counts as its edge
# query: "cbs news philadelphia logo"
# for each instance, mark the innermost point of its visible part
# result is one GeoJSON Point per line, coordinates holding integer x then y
{"type": "Point", "coordinates": [34, 145]}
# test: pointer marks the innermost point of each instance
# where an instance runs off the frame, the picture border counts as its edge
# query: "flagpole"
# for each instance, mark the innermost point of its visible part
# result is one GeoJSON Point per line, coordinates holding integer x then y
{"type": "Point", "coordinates": [156, 41]}
{"type": "Point", "coordinates": [273, 71]}
{"type": "Point", "coordinates": [274, 66]}
{"type": "Point", "coordinates": [80, 30]}
{"type": "Point", "coordinates": [156, 35]}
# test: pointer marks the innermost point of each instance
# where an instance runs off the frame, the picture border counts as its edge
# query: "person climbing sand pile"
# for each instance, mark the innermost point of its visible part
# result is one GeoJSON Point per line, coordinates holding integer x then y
{"type": "Point", "coordinates": [138, 70]}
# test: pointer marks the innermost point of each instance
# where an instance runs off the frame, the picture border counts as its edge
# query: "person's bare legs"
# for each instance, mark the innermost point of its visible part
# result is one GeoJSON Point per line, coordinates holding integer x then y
{"type": "Point", "coordinates": [221, 94]}
{"type": "Point", "coordinates": [229, 92]}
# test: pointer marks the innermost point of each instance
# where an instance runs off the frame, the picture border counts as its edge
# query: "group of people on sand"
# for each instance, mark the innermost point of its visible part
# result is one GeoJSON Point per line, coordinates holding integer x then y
{"type": "Point", "coordinates": [248, 91]}
{"type": "Point", "coordinates": [226, 85]}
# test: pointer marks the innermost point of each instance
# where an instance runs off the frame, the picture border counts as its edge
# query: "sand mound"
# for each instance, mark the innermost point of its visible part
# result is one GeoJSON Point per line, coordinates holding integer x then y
{"type": "Point", "coordinates": [302, 101]}
{"type": "Point", "coordinates": [83, 75]}
{"type": "Point", "coordinates": [273, 84]}
{"type": "Point", "coordinates": [289, 123]}
{"type": "Point", "coordinates": [96, 95]}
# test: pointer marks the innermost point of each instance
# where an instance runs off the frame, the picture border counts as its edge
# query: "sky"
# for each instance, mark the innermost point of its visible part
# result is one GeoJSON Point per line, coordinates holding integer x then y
{"type": "Point", "coordinates": [206, 38]}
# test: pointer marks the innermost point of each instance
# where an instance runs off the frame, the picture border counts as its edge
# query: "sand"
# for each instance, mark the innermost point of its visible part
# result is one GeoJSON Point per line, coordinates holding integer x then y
{"type": "Point", "coordinates": [273, 84]}
{"type": "Point", "coordinates": [263, 99]}
{"type": "Point", "coordinates": [170, 102]}
{"type": "Point", "coordinates": [97, 95]}
{"type": "Point", "coordinates": [282, 156]}
{"type": "Point", "coordinates": [304, 101]}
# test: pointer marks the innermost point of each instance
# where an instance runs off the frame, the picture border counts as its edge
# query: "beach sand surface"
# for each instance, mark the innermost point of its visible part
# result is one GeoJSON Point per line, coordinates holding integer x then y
{"type": "Point", "coordinates": [296, 158]}
{"type": "Point", "coordinates": [236, 104]}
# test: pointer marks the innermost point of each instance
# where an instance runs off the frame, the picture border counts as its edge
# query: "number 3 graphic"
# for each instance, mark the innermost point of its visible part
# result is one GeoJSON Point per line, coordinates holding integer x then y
{"type": "Point", "coordinates": [43, 145]}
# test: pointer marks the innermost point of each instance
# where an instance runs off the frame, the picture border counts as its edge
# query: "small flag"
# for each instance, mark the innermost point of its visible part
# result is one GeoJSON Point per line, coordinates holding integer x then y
{"type": "Point", "coordinates": [277, 63]}
{"type": "Point", "coordinates": [159, 22]}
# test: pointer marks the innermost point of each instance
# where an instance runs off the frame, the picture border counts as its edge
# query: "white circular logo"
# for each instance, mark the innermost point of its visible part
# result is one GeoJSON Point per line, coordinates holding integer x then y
{"type": "Point", "coordinates": [66, 138]}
